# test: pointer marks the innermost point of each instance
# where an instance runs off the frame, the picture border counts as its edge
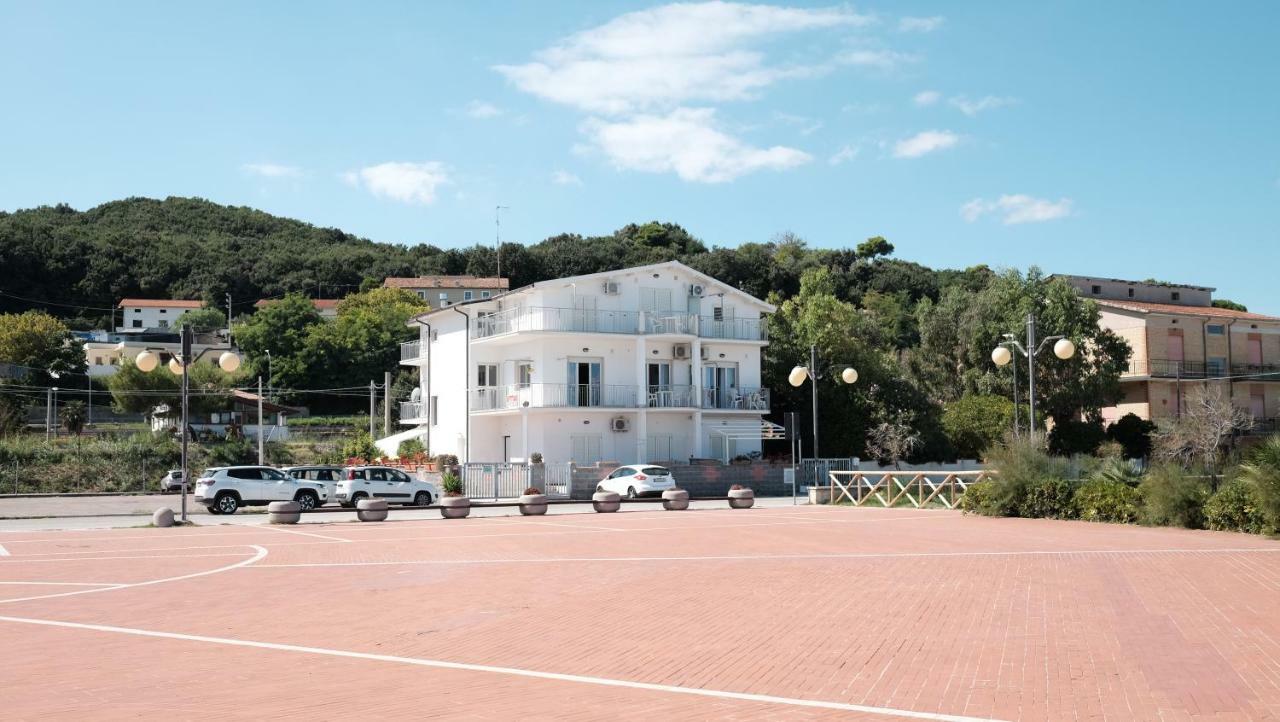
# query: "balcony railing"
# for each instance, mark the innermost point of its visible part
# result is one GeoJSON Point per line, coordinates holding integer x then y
{"type": "Point", "coordinates": [541, 318]}
{"type": "Point", "coordinates": [1256, 372]}
{"type": "Point", "coordinates": [1166, 369]}
{"type": "Point", "coordinates": [412, 351]}
{"type": "Point", "coordinates": [412, 410]}
{"type": "Point", "coordinates": [739, 329]}
{"type": "Point", "coordinates": [681, 323]}
{"type": "Point", "coordinates": [543, 395]}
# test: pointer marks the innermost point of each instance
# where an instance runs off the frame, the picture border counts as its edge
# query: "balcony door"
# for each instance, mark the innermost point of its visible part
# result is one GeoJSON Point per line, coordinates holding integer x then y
{"type": "Point", "coordinates": [1173, 347]}
{"type": "Point", "coordinates": [583, 384]}
{"type": "Point", "coordinates": [660, 392]}
{"type": "Point", "coordinates": [1255, 350]}
{"type": "Point", "coordinates": [720, 385]}
{"type": "Point", "coordinates": [1258, 406]}
{"type": "Point", "coordinates": [584, 314]}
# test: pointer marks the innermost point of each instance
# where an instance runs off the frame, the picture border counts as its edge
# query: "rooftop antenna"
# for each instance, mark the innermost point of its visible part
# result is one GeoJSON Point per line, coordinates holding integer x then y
{"type": "Point", "coordinates": [497, 238]}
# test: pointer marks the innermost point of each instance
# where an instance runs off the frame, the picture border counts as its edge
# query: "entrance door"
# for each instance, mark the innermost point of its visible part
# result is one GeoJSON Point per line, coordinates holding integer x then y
{"type": "Point", "coordinates": [660, 385]}
{"type": "Point", "coordinates": [583, 384]}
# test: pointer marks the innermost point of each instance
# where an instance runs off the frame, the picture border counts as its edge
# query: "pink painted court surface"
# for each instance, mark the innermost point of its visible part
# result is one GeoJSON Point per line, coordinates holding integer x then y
{"type": "Point", "coordinates": [779, 613]}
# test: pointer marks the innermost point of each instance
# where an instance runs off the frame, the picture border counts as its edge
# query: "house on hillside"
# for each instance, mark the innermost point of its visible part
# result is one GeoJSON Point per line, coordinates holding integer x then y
{"type": "Point", "coordinates": [145, 314]}
{"type": "Point", "coordinates": [647, 364]}
{"type": "Point", "coordinates": [105, 351]}
{"type": "Point", "coordinates": [441, 291]}
{"type": "Point", "coordinates": [326, 307]}
{"type": "Point", "coordinates": [1181, 341]}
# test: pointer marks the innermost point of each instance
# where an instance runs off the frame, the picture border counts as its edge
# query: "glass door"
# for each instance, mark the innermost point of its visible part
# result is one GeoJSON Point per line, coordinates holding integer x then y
{"type": "Point", "coordinates": [659, 390]}
{"type": "Point", "coordinates": [583, 385]}
{"type": "Point", "coordinates": [720, 386]}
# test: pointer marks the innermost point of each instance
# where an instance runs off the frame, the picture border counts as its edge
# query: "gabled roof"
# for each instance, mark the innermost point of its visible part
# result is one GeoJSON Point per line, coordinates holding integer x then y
{"type": "Point", "coordinates": [669, 265]}
{"type": "Point", "coordinates": [447, 282]}
{"type": "Point", "coordinates": [1173, 309]}
{"type": "Point", "coordinates": [158, 303]}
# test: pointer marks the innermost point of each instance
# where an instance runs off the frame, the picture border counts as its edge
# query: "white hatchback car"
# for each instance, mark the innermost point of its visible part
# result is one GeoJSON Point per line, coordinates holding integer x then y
{"type": "Point", "coordinates": [224, 489]}
{"type": "Point", "coordinates": [638, 480]}
{"type": "Point", "coordinates": [383, 482]}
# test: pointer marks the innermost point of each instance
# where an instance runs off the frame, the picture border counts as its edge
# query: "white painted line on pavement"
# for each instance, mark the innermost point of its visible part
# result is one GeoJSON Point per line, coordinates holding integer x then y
{"type": "Point", "coordinates": [509, 671]}
{"type": "Point", "coordinates": [65, 584]}
{"type": "Point", "coordinates": [45, 560]}
{"type": "Point", "coordinates": [306, 533]}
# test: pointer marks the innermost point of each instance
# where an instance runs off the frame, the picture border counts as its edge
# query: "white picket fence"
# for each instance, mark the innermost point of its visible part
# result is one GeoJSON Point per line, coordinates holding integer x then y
{"type": "Point", "coordinates": [482, 480]}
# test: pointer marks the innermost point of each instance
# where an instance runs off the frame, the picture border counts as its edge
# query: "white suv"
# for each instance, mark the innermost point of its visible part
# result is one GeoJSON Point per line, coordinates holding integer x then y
{"type": "Point", "coordinates": [224, 489]}
{"type": "Point", "coordinates": [382, 482]}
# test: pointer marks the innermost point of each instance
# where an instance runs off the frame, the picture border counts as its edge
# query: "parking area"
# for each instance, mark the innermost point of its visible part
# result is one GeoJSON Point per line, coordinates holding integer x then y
{"type": "Point", "coordinates": [774, 613]}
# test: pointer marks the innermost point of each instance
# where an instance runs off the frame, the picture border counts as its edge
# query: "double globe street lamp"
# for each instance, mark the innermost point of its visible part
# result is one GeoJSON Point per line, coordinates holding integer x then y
{"type": "Point", "coordinates": [1002, 355]}
{"type": "Point", "coordinates": [148, 361]}
{"type": "Point", "coordinates": [797, 378]}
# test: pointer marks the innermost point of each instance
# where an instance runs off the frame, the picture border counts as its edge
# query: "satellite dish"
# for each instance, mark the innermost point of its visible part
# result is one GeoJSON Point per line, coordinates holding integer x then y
{"type": "Point", "coordinates": [416, 396]}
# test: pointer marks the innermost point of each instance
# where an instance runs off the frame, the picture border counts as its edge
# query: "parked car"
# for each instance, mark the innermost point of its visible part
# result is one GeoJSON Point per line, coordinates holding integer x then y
{"type": "Point", "coordinates": [327, 475]}
{"type": "Point", "coordinates": [384, 482]}
{"type": "Point", "coordinates": [171, 481]}
{"type": "Point", "coordinates": [638, 480]}
{"type": "Point", "coordinates": [224, 489]}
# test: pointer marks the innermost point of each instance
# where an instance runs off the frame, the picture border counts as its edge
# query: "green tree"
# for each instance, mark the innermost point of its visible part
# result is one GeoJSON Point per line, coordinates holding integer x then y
{"type": "Point", "coordinates": [364, 340]}
{"type": "Point", "coordinates": [283, 328]}
{"type": "Point", "coordinates": [203, 319]}
{"type": "Point", "coordinates": [40, 345]}
{"type": "Point", "coordinates": [874, 246]}
{"type": "Point", "coordinates": [1228, 304]}
{"type": "Point", "coordinates": [73, 417]}
{"type": "Point", "coordinates": [1134, 434]}
{"type": "Point", "coordinates": [139, 392]}
{"type": "Point", "coordinates": [975, 423]}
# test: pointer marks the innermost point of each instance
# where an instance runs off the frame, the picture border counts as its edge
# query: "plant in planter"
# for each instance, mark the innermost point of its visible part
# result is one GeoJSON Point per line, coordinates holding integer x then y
{"type": "Point", "coordinates": [740, 497]}
{"type": "Point", "coordinates": [535, 457]}
{"type": "Point", "coordinates": [675, 499]}
{"type": "Point", "coordinates": [533, 502]}
{"type": "Point", "coordinates": [453, 505]}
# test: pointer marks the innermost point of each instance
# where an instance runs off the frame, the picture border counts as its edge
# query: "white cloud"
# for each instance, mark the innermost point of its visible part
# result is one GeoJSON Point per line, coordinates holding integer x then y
{"type": "Point", "coordinates": [926, 98]}
{"type": "Point", "coordinates": [1017, 209]}
{"type": "Point", "coordinates": [807, 126]}
{"type": "Point", "coordinates": [973, 107]}
{"type": "Point", "coordinates": [878, 59]}
{"type": "Point", "coordinates": [844, 155]}
{"type": "Point", "coordinates": [920, 25]}
{"type": "Point", "coordinates": [687, 143]}
{"type": "Point", "coordinates": [272, 170]}
{"type": "Point", "coordinates": [565, 178]}
{"type": "Point", "coordinates": [923, 143]}
{"type": "Point", "coordinates": [661, 57]}
{"type": "Point", "coordinates": [482, 111]}
{"type": "Point", "coordinates": [414, 183]}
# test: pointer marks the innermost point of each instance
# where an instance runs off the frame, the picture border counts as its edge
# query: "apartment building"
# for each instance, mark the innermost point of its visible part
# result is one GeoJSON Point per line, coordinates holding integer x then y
{"type": "Point", "coordinates": [647, 364]}
{"type": "Point", "coordinates": [142, 314]}
{"type": "Point", "coordinates": [1181, 341]}
{"type": "Point", "coordinates": [442, 291]}
{"type": "Point", "coordinates": [105, 351]}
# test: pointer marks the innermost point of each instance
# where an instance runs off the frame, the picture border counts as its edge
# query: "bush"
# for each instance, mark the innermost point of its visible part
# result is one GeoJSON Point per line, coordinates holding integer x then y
{"type": "Point", "coordinates": [1263, 471]}
{"type": "Point", "coordinates": [1171, 497]}
{"type": "Point", "coordinates": [1235, 507]}
{"type": "Point", "coordinates": [446, 461]}
{"type": "Point", "coordinates": [535, 457]}
{"type": "Point", "coordinates": [410, 448]}
{"type": "Point", "coordinates": [451, 484]}
{"type": "Point", "coordinates": [533, 490]}
{"type": "Point", "coordinates": [976, 422]}
{"type": "Point", "coordinates": [1134, 434]}
{"type": "Point", "coordinates": [977, 499]}
{"type": "Point", "coordinates": [1023, 470]}
{"type": "Point", "coordinates": [1072, 437]}
{"type": "Point", "coordinates": [1103, 499]}
{"type": "Point", "coordinates": [360, 446]}
{"type": "Point", "coordinates": [1048, 499]}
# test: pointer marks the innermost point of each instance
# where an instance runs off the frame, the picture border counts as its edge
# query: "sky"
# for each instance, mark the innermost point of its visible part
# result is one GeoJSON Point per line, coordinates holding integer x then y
{"type": "Point", "coordinates": [1126, 140]}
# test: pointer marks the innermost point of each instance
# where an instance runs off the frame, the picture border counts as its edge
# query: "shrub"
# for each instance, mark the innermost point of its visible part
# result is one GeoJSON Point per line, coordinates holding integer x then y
{"type": "Point", "coordinates": [446, 461]}
{"type": "Point", "coordinates": [977, 499]}
{"type": "Point", "coordinates": [1263, 471]}
{"type": "Point", "coordinates": [1103, 499]}
{"type": "Point", "coordinates": [533, 490]}
{"type": "Point", "coordinates": [1171, 497]}
{"type": "Point", "coordinates": [451, 484]}
{"type": "Point", "coordinates": [1071, 437]}
{"type": "Point", "coordinates": [410, 448]}
{"type": "Point", "coordinates": [976, 422]}
{"type": "Point", "coordinates": [1235, 507]}
{"type": "Point", "coordinates": [360, 446]}
{"type": "Point", "coordinates": [1134, 434]}
{"type": "Point", "coordinates": [1048, 498]}
{"type": "Point", "coordinates": [1021, 465]}
{"type": "Point", "coordinates": [535, 457]}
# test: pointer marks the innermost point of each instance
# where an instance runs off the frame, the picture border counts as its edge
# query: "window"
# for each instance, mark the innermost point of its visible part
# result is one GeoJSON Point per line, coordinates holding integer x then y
{"type": "Point", "coordinates": [1217, 365]}
{"type": "Point", "coordinates": [467, 295]}
{"type": "Point", "coordinates": [1096, 290]}
{"type": "Point", "coordinates": [1215, 329]}
{"type": "Point", "coordinates": [524, 374]}
{"type": "Point", "coordinates": [1176, 296]}
{"type": "Point", "coordinates": [487, 375]}
{"type": "Point", "coordinates": [422, 295]}
{"type": "Point", "coordinates": [137, 310]}
{"type": "Point", "coordinates": [245, 474]}
{"type": "Point", "coordinates": [377, 475]}
{"type": "Point", "coordinates": [274, 475]}
{"type": "Point", "coordinates": [1130, 293]}
{"type": "Point", "coordinates": [444, 295]}
{"type": "Point", "coordinates": [164, 310]}
{"type": "Point", "coordinates": [137, 323]}
{"type": "Point", "coordinates": [432, 413]}
{"type": "Point", "coordinates": [397, 475]}
{"type": "Point", "coordinates": [484, 294]}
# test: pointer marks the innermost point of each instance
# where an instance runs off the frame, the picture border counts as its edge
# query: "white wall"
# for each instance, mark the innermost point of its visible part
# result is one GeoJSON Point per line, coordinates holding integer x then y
{"type": "Point", "coordinates": [151, 317]}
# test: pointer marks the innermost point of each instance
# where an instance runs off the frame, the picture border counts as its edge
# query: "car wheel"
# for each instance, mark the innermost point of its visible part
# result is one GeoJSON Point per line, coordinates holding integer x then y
{"type": "Point", "coordinates": [422, 498]}
{"type": "Point", "coordinates": [631, 492]}
{"type": "Point", "coordinates": [355, 498]}
{"type": "Point", "coordinates": [307, 500]}
{"type": "Point", "coordinates": [226, 503]}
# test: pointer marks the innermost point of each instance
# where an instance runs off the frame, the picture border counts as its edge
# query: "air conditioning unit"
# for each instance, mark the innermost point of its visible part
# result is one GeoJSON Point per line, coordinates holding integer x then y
{"type": "Point", "coordinates": [680, 351]}
{"type": "Point", "coordinates": [697, 289]}
{"type": "Point", "coordinates": [706, 353]}
{"type": "Point", "coordinates": [610, 288]}
{"type": "Point", "coordinates": [620, 423]}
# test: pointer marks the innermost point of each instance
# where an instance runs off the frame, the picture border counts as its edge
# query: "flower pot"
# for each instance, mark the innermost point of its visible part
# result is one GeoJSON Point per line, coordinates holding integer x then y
{"type": "Point", "coordinates": [455, 507]}
{"type": "Point", "coordinates": [741, 498]}
{"type": "Point", "coordinates": [675, 499]}
{"type": "Point", "coordinates": [371, 510]}
{"type": "Point", "coordinates": [533, 504]}
{"type": "Point", "coordinates": [606, 501]}
{"type": "Point", "coordinates": [284, 512]}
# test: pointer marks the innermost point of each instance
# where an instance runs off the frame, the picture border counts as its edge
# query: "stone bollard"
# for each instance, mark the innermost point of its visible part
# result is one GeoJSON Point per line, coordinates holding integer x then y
{"type": "Point", "coordinates": [741, 498]}
{"type": "Point", "coordinates": [284, 512]}
{"type": "Point", "coordinates": [162, 517]}
{"type": "Point", "coordinates": [455, 507]}
{"type": "Point", "coordinates": [606, 501]}
{"type": "Point", "coordinates": [533, 504]}
{"type": "Point", "coordinates": [371, 510]}
{"type": "Point", "coordinates": [675, 499]}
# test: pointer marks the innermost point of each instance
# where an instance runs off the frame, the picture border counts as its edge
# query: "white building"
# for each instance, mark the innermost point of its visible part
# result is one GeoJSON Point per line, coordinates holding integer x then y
{"type": "Point", "coordinates": [105, 351]}
{"type": "Point", "coordinates": [647, 364]}
{"type": "Point", "coordinates": [141, 314]}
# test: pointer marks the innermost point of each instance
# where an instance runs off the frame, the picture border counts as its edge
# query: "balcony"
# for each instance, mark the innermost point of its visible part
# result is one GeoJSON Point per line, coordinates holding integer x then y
{"type": "Point", "coordinates": [413, 412]}
{"type": "Point", "coordinates": [605, 396]}
{"type": "Point", "coordinates": [737, 329]}
{"type": "Point", "coordinates": [412, 353]}
{"type": "Point", "coordinates": [1256, 372]}
{"type": "Point", "coordinates": [570, 320]}
{"type": "Point", "coordinates": [1166, 369]}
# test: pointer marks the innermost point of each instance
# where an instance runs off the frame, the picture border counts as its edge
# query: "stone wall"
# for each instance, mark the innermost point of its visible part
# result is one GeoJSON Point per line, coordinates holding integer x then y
{"type": "Point", "coordinates": [699, 480]}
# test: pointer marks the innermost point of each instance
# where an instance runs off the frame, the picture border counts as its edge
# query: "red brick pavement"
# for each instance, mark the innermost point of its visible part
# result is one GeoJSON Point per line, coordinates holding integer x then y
{"type": "Point", "coordinates": [899, 610]}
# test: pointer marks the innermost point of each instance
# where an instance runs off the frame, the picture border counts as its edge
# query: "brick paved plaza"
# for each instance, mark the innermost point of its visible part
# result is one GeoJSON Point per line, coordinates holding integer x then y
{"type": "Point", "coordinates": [778, 613]}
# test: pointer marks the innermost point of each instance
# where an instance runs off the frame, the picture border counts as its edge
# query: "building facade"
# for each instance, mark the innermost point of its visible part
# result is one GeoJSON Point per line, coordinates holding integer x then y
{"type": "Point", "coordinates": [144, 314]}
{"type": "Point", "coordinates": [648, 364]}
{"type": "Point", "coordinates": [104, 351]}
{"type": "Point", "coordinates": [1181, 341]}
{"type": "Point", "coordinates": [442, 291]}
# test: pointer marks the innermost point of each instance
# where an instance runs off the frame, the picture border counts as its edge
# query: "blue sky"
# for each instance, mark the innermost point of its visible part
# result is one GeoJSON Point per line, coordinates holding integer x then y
{"type": "Point", "coordinates": [1117, 139]}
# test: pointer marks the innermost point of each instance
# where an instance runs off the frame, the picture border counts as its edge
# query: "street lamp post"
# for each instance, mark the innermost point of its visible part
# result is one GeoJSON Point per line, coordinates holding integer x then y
{"type": "Point", "coordinates": [148, 361]}
{"type": "Point", "coordinates": [798, 375]}
{"type": "Point", "coordinates": [1002, 355]}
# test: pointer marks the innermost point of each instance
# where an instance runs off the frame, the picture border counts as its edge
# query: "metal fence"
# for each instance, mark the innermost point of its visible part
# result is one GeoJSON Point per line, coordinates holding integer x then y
{"type": "Point", "coordinates": [814, 472]}
{"type": "Point", "coordinates": [507, 481]}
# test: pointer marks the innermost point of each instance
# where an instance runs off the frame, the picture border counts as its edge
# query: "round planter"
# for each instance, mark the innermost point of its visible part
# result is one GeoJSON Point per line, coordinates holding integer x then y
{"type": "Point", "coordinates": [606, 501]}
{"type": "Point", "coordinates": [455, 507]}
{"type": "Point", "coordinates": [675, 499]}
{"type": "Point", "coordinates": [371, 510]}
{"type": "Point", "coordinates": [741, 498]}
{"type": "Point", "coordinates": [284, 512]}
{"type": "Point", "coordinates": [162, 517]}
{"type": "Point", "coordinates": [533, 504]}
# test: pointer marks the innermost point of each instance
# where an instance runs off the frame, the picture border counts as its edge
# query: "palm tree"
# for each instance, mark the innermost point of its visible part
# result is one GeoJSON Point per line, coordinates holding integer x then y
{"type": "Point", "coordinates": [73, 417]}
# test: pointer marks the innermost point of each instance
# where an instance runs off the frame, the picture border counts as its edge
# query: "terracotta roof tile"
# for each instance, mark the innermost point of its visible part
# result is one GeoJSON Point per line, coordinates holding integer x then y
{"type": "Point", "coordinates": [158, 303]}
{"type": "Point", "coordinates": [1173, 308]}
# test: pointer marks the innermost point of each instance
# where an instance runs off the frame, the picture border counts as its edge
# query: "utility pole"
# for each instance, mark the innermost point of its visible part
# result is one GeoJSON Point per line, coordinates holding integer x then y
{"type": "Point", "coordinates": [813, 364]}
{"type": "Point", "coordinates": [497, 235]}
{"type": "Point", "coordinates": [260, 459]}
{"type": "Point", "coordinates": [48, 414]}
{"type": "Point", "coordinates": [186, 392]}
{"type": "Point", "coordinates": [1031, 372]}
{"type": "Point", "coordinates": [373, 403]}
{"type": "Point", "coordinates": [386, 403]}
{"type": "Point", "coordinates": [228, 319]}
